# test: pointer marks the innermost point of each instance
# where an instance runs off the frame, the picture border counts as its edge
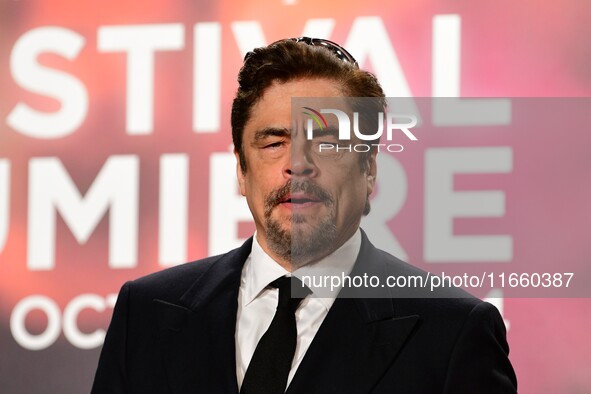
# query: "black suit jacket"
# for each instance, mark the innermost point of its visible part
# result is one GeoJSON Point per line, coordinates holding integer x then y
{"type": "Point", "coordinates": [173, 332]}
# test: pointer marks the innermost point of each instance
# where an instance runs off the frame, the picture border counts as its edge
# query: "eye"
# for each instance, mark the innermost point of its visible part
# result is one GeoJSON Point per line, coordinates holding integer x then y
{"type": "Point", "coordinates": [273, 145]}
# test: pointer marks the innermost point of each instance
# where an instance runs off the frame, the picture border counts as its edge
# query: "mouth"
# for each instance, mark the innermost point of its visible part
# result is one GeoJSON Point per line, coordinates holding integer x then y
{"type": "Point", "coordinates": [300, 201]}
{"type": "Point", "coordinates": [301, 197]}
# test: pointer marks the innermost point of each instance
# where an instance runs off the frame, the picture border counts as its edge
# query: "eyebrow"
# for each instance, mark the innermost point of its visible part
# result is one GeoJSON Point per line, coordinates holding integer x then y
{"type": "Point", "coordinates": [271, 132]}
{"type": "Point", "coordinates": [329, 131]}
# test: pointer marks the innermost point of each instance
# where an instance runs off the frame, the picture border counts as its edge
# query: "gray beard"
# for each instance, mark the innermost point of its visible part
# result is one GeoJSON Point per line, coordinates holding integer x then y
{"type": "Point", "coordinates": [298, 246]}
{"type": "Point", "coordinates": [303, 241]}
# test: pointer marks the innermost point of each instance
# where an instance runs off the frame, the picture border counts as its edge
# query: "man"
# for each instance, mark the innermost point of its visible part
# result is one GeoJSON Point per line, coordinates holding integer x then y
{"type": "Point", "coordinates": [226, 324]}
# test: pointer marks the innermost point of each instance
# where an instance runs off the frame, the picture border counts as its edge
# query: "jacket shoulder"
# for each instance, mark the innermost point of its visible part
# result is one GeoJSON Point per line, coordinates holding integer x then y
{"type": "Point", "coordinates": [177, 275]}
{"type": "Point", "coordinates": [418, 282]}
{"type": "Point", "coordinates": [171, 283]}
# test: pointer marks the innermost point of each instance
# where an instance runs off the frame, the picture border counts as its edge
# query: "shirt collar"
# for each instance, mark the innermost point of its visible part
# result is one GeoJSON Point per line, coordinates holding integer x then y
{"type": "Point", "coordinates": [337, 264]}
{"type": "Point", "coordinates": [260, 270]}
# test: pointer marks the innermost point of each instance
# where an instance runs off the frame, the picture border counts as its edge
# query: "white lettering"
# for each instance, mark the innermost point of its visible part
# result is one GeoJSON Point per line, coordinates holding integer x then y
{"type": "Point", "coordinates": [174, 208]}
{"type": "Point", "coordinates": [51, 189]}
{"type": "Point", "coordinates": [404, 127]}
{"type": "Point", "coordinates": [207, 65]}
{"type": "Point", "coordinates": [4, 201]}
{"type": "Point", "coordinates": [395, 148]}
{"type": "Point", "coordinates": [452, 111]}
{"type": "Point", "coordinates": [18, 327]}
{"type": "Point", "coordinates": [70, 321]}
{"type": "Point", "coordinates": [495, 297]}
{"type": "Point", "coordinates": [249, 34]}
{"type": "Point", "coordinates": [380, 52]}
{"type": "Point", "coordinates": [367, 137]}
{"type": "Point", "coordinates": [344, 124]}
{"type": "Point", "coordinates": [386, 204]}
{"type": "Point", "coordinates": [140, 43]}
{"type": "Point", "coordinates": [29, 74]}
{"type": "Point", "coordinates": [346, 148]}
{"type": "Point", "coordinates": [443, 205]}
{"type": "Point", "coordinates": [54, 317]}
{"type": "Point", "coordinates": [227, 206]}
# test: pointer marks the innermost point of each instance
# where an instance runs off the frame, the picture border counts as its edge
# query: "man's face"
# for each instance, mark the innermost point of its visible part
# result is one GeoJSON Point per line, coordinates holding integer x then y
{"type": "Point", "coordinates": [305, 204]}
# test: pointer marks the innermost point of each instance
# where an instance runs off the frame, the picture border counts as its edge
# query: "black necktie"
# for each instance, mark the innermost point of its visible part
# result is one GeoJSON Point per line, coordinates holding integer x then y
{"type": "Point", "coordinates": [271, 362]}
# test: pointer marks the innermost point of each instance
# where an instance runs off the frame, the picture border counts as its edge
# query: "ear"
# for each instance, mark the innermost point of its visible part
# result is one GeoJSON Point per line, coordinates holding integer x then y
{"type": "Point", "coordinates": [372, 172]}
{"type": "Point", "coordinates": [240, 174]}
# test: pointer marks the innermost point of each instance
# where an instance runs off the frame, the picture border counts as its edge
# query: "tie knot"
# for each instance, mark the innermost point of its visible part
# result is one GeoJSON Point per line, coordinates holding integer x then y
{"type": "Point", "coordinates": [288, 298]}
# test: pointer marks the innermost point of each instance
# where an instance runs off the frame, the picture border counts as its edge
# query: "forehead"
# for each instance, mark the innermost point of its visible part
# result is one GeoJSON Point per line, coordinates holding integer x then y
{"type": "Point", "coordinates": [274, 107]}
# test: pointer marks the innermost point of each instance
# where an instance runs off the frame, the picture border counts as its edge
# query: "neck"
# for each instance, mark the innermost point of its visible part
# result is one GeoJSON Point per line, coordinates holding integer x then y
{"type": "Point", "coordinates": [285, 259]}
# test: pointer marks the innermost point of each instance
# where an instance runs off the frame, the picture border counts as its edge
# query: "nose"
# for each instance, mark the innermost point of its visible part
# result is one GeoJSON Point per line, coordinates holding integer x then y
{"type": "Point", "coordinates": [300, 163]}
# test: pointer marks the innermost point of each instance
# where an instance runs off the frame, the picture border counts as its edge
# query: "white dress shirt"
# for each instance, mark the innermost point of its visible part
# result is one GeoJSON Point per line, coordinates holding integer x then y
{"type": "Point", "coordinates": [257, 302]}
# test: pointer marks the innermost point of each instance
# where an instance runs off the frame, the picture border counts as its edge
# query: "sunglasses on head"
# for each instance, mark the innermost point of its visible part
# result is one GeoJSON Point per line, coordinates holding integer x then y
{"type": "Point", "coordinates": [333, 47]}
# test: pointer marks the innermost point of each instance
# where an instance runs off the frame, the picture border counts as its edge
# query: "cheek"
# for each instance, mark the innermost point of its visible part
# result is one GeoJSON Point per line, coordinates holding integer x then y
{"type": "Point", "coordinates": [257, 187]}
{"type": "Point", "coordinates": [360, 190]}
{"type": "Point", "coordinates": [350, 192]}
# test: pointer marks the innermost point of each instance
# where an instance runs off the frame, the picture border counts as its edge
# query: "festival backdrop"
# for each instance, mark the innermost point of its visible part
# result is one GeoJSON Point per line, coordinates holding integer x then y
{"type": "Point", "coordinates": [116, 160]}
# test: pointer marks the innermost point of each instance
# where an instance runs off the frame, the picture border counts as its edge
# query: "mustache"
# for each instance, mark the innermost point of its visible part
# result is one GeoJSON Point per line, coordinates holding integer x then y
{"type": "Point", "coordinates": [278, 195]}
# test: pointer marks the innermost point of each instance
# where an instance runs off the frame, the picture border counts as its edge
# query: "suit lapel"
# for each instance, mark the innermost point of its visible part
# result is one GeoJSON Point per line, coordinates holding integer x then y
{"type": "Point", "coordinates": [198, 335]}
{"type": "Point", "coordinates": [348, 354]}
{"type": "Point", "coordinates": [359, 338]}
